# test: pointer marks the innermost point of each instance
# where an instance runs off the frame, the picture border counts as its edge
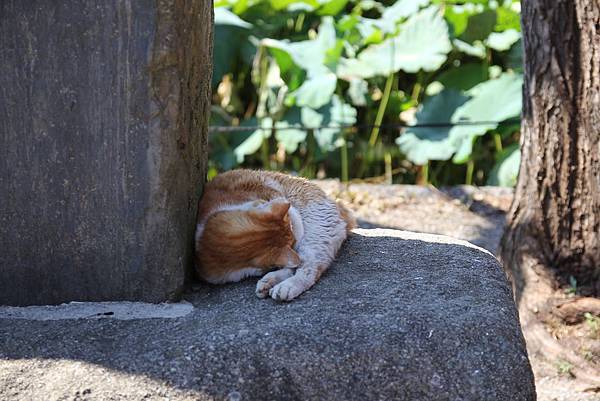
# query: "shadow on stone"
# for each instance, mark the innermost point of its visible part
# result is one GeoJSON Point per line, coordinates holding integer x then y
{"type": "Point", "coordinates": [400, 316]}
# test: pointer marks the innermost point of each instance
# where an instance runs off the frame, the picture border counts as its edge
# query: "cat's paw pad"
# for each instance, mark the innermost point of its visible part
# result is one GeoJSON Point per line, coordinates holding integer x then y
{"type": "Point", "coordinates": [286, 290]}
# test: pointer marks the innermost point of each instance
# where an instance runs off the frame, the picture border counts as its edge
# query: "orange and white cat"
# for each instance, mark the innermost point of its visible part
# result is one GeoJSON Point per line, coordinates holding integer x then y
{"type": "Point", "coordinates": [251, 222]}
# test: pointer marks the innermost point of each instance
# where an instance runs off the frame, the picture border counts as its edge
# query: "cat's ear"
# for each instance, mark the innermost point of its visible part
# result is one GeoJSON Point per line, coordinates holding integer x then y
{"type": "Point", "coordinates": [288, 258]}
{"type": "Point", "coordinates": [278, 207]}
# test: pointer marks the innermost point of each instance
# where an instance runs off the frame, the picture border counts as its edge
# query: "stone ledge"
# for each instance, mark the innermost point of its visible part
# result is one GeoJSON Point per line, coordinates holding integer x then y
{"type": "Point", "coordinates": [400, 316]}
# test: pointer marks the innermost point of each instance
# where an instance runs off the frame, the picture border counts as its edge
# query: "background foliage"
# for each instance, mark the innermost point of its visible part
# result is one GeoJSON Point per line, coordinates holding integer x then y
{"type": "Point", "coordinates": [330, 80]}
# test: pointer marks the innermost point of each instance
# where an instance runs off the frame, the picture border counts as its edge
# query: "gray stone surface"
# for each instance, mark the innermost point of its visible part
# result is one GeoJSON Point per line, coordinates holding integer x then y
{"type": "Point", "coordinates": [103, 117]}
{"type": "Point", "coordinates": [400, 316]}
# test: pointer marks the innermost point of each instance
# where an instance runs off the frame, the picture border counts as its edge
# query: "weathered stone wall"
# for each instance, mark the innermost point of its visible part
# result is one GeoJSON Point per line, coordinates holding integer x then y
{"type": "Point", "coordinates": [103, 118]}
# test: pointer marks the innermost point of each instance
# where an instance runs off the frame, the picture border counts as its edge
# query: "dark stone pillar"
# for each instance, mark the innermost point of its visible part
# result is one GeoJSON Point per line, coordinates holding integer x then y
{"type": "Point", "coordinates": [103, 118]}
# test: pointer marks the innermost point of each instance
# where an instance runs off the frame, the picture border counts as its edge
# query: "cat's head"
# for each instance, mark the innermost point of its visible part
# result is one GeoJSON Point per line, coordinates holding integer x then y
{"type": "Point", "coordinates": [258, 235]}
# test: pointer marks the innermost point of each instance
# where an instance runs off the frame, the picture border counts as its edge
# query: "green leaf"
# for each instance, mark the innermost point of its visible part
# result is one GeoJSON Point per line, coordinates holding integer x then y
{"type": "Point", "coordinates": [492, 101]}
{"type": "Point", "coordinates": [254, 141]}
{"type": "Point", "coordinates": [372, 30]}
{"type": "Point", "coordinates": [502, 41]}
{"type": "Point", "coordinates": [476, 49]}
{"type": "Point", "coordinates": [309, 55]}
{"type": "Point", "coordinates": [421, 144]}
{"type": "Point", "coordinates": [421, 45]}
{"type": "Point", "coordinates": [351, 68]}
{"type": "Point", "coordinates": [332, 7]}
{"type": "Point", "coordinates": [225, 17]}
{"type": "Point", "coordinates": [507, 19]}
{"type": "Point", "coordinates": [458, 17]}
{"type": "Point", "coordinates": [389, 18]}
{"type": "Point", "coordinates": [227, 58]}
{"type": "Point", "coordinates": [316, 91]}
{"type": "Point", "coordinates": [357, 91]}
{"type": "Point", "coordinates": [514, 57]}
{"type": "Point", "coordinates": [463, 77]}
{"type": "Point", "coordinates": [288, 134]}
{"type": "Point", "coordinates": [506, 170]}
{"type": "Point", "coordinates": [402, 9]}
{"type": "Point", "coordinates": [479, 26]}
{"type": "Point", "coordinates": [334, 116]}
{"type": "Point", "coordinates": [286, 4]}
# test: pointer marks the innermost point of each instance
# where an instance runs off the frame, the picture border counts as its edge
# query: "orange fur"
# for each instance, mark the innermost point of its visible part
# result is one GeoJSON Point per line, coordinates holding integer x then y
{"type": "Point", "coordinates": [244, 223]}
{"type": "Point", "coordinates": [237, 239]}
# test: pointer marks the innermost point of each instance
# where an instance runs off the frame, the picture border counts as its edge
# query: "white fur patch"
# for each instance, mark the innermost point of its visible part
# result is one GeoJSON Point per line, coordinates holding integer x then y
{"type": "Point", "coordinates": [199, 231]}
{"type": "Point", "coordinates": [237, 275]}
{"type": "Point", "coordinates": [297, 224]}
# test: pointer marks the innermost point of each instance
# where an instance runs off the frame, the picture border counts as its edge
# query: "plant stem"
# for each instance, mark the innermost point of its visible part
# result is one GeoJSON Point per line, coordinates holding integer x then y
{"type": "Point", "coordinates": [299, 22]}
{"type": "Point", "coordinates": [344, 160]}
{"type": "Point", "coordinates": [470, 169]}
{"type": "Point", "coordinates": [416, 91]}
{"type": "Point", "coordinates": [264, 148]}
{"type": "Point", "coordinates": [424, 178]}
{"type": "Point", "coordinates": [381, 111]}
{"type": "Point", "coordinates": [498, 142]}
{"type": "Point", "coordinates": [388, 167]}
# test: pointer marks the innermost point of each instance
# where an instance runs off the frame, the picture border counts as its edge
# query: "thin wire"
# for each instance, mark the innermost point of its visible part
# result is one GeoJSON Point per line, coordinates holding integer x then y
{"type": "Point", "coordinates": [229, 128]}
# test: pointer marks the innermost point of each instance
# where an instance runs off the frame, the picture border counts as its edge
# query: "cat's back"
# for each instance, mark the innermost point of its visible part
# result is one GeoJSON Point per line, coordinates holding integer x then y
{"type": "Point", "coordinates": [231, 188]}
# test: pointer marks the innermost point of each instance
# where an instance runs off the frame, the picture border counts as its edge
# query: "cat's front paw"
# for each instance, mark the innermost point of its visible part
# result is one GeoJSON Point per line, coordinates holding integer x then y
{"type": "Point", "coordinates": [287, 290]}
{"type": "Point", "coordinates": [270, 280]}
{"type": "Point", "coordinates": [264, 285]}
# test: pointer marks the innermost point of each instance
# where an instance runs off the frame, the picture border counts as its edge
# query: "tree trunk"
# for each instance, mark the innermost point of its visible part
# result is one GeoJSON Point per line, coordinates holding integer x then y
{"type": "Point", "coordinates": [554, 224]}
{"type": "Point", "coordinates": [103, 123]}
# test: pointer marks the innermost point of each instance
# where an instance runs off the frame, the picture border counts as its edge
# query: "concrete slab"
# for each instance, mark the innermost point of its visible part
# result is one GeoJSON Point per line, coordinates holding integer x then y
{"type": "Point", "coordinates": [400, 316]}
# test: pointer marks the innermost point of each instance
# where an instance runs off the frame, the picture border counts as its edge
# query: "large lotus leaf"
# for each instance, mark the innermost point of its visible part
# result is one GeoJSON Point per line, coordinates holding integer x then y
{"type": "Point", "coordinates": [225, 17]}
{"type": "Point", "coordinates": [312, 118]}
{"type": "Point", "coordinates": [332, 116]}
{"type": "Point", "coordinates": [351, 68]}
{"type": "Point", "coordinates": [316, 91]}
{"type": "Point", "coordinates": [309, 55]}
{"type": "Point", "coordinates": [402, 9]}
{"type": "Point", "coordinates": [421, 144]}
{"type": "Point", "coordinates": [464, 77]}
{"type": "Point", "coordinates": [392, 15]}
{"type": "Point", "coordinates": [229, 28]}
{"type": "Point", "coordinates": [254, 141]}
{"type": "Point", "coordinates": [502, 41]}
{"type": "Point", "coordinates": [421, 44]}
{"type": "Point", "coordinates": [479, 26]}
{"type": "Point", "coordinates": [289, 136]}
{"type": "Point", "coordinates": [506, 170]}
{"type": "Point", "coordinates": [492, 101]}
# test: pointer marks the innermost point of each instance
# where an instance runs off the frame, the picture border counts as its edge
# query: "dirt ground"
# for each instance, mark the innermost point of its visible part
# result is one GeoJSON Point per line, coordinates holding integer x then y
{"type": "Point", "coordinates": [477, 215]}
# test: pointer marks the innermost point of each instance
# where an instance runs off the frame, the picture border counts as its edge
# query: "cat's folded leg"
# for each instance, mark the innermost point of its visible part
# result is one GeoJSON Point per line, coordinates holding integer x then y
{"type": "Point", "coordinates": [269, 280]}
{"type": "Point", "coordinates": [306, 276]}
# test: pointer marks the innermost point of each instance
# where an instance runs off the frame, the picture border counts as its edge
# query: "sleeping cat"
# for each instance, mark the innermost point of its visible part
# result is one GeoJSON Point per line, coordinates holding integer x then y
{"type": "Point", "coordinates": [250, 222]}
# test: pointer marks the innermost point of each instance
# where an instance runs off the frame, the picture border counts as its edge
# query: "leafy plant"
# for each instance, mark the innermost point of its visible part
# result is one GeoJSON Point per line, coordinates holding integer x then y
{"type": "Point", "coordinates": [328, 85]}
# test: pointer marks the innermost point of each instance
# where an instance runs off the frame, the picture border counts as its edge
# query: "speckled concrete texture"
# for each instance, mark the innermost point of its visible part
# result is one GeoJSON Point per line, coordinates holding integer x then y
{"type": "Point", "coordinates": [399, 316]}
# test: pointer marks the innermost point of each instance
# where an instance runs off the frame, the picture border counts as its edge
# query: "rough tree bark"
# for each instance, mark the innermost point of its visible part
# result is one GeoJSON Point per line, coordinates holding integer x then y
{"type": "Point", "coordinates": [103, 123]}
{"type": "Point", "coordinates": [554, 223]}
